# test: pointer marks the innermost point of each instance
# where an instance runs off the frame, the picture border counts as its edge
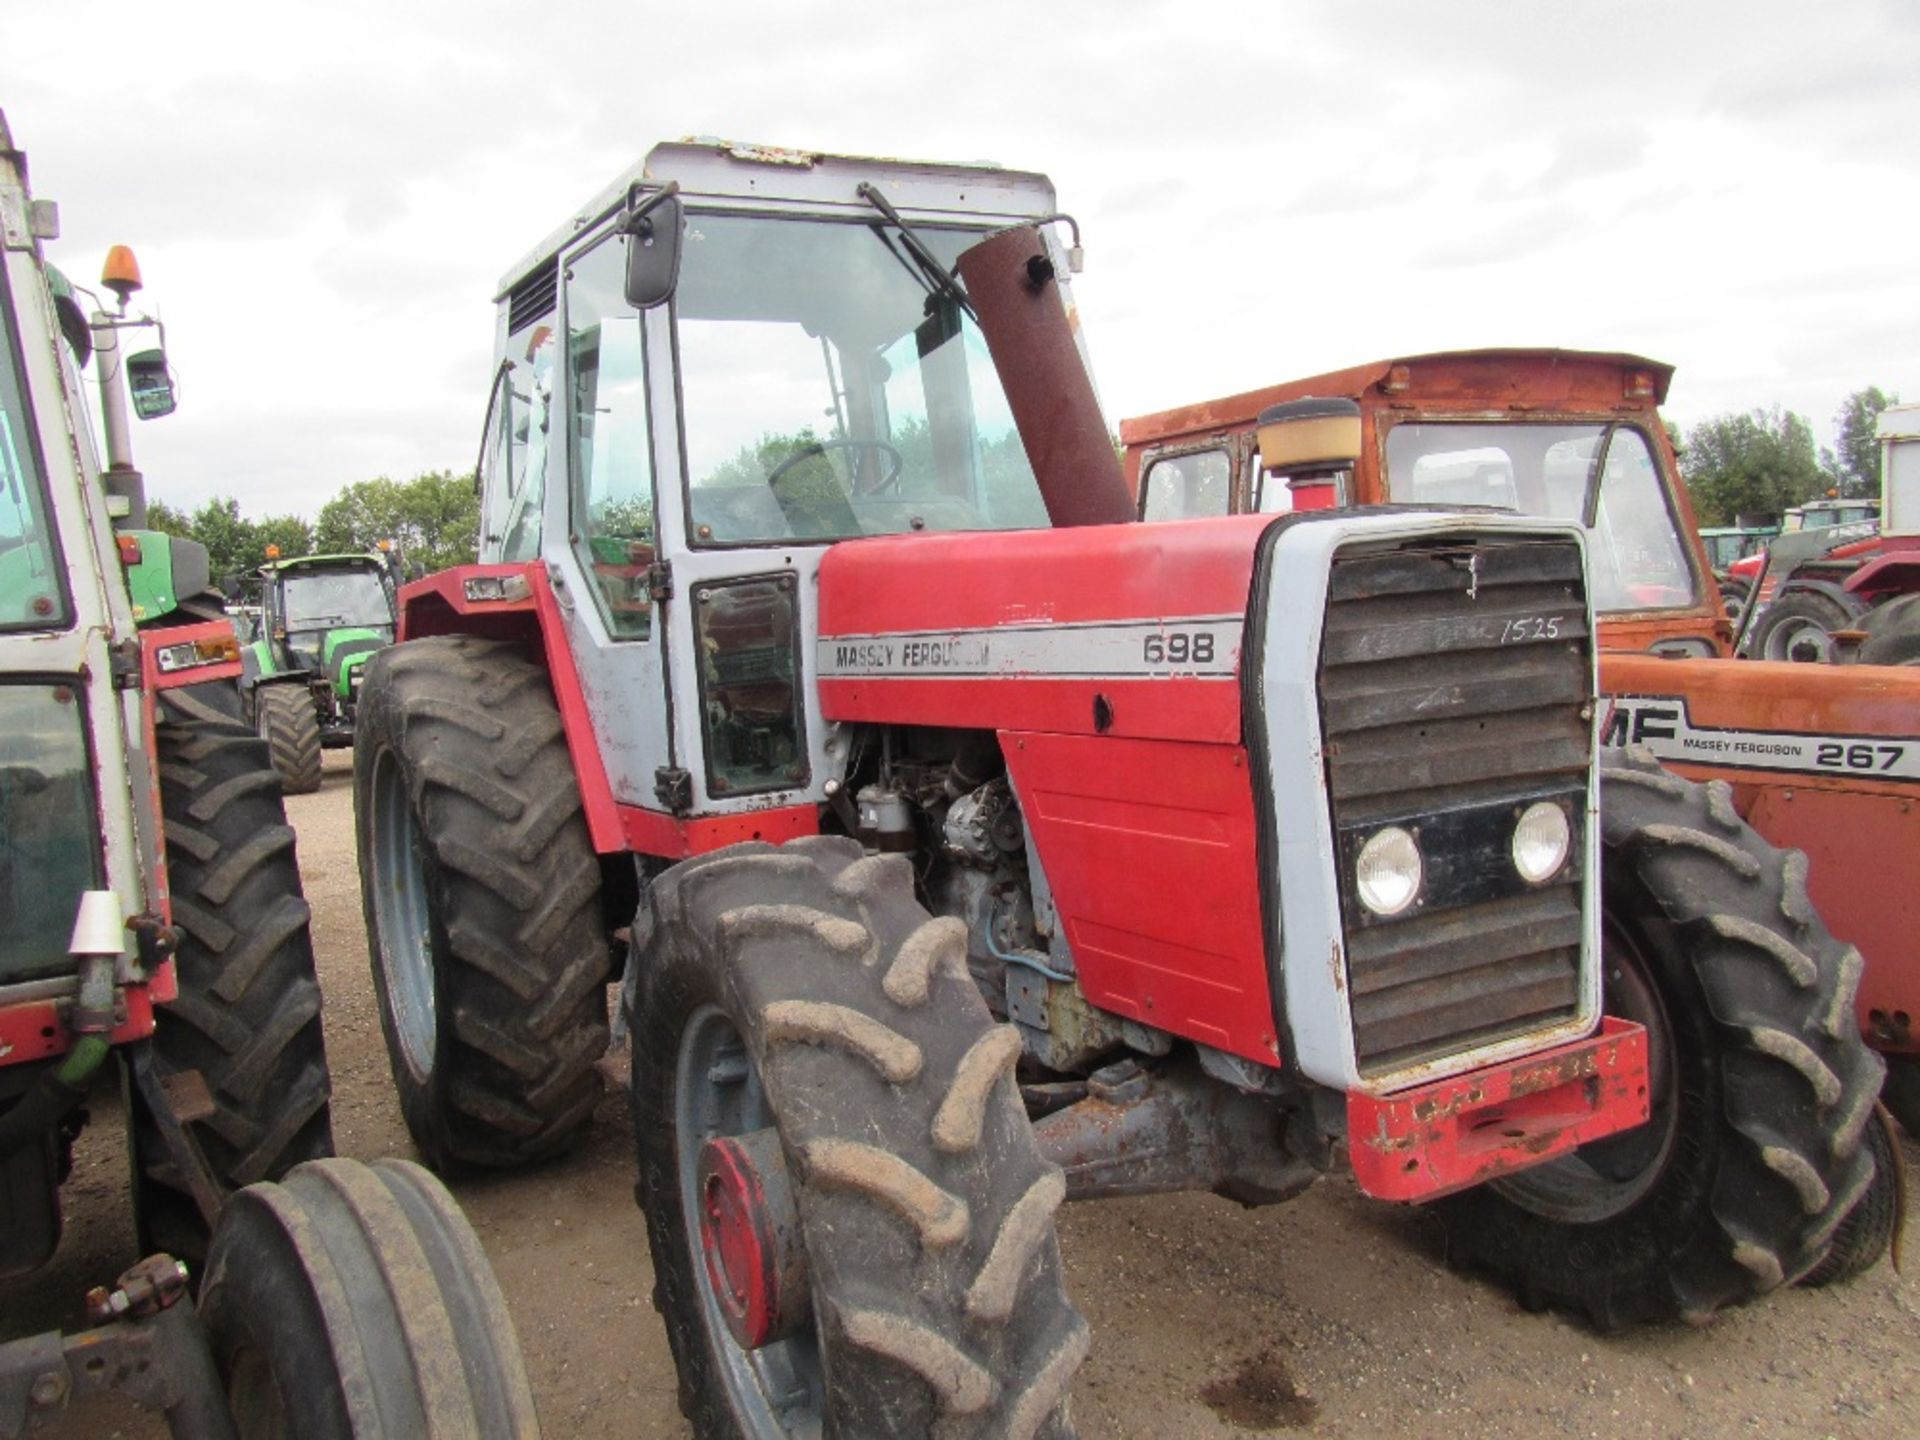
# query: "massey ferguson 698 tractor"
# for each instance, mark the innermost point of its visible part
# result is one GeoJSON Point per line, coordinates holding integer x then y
{"type": "Point", "coordinates": [964, 849]}
{"type": "Point", "coordinates": [150, 912]}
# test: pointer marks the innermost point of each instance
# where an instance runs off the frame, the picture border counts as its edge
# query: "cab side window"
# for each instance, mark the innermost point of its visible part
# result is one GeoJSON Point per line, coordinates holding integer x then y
{"type": "Point", "coordinates": [1187, 487]}
{"type": "Point", "coordinates": [611, 458]}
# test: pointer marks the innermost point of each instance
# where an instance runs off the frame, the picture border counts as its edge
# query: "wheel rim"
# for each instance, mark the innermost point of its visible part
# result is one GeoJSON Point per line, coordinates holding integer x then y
{"type": "Point", "coordinates": [1802, 639]}
{"type": "Point", "coordinates": [775, 1391]}
{"type": "Point", "coordinates": [1604, 1178]}
{"type": "Point", "coordinates": [402, 918]}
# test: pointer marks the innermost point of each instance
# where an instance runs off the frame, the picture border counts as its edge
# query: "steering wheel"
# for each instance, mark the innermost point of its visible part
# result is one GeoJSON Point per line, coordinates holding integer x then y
{"type": "Point", "coordinates": [820, 447]}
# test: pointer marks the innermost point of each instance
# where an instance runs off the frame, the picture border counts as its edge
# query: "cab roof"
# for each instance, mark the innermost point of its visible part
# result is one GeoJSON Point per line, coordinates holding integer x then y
{"type": "Point", "coordinates": [737, 173]}
{"type": "Point", "coordinates": [1491, 377]}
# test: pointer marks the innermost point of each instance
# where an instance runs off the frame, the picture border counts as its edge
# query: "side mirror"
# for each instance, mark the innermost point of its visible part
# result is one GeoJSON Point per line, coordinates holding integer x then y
{"type": "Point", "coordinates": [653, 247]}
{"type": "Point", "coordinates": [150, 384]}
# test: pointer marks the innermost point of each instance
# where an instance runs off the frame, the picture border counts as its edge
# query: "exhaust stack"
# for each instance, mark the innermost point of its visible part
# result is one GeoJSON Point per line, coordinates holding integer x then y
{"type": "Point", "coordinates": [1010, 281]}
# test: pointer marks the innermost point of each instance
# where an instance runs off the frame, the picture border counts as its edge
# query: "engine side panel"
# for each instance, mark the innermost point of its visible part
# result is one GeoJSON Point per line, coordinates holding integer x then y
{"type": "Point", "coordinates": [1122, 631]}
{"type": "Point", "coordinates": [1150, 852]}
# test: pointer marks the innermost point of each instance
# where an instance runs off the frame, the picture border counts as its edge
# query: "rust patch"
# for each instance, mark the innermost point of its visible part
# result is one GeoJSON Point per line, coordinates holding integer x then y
{"type": "Point", "coordinates": [1261, 1395]}
{"type": "Point", "coordinates": [1581, 1065]}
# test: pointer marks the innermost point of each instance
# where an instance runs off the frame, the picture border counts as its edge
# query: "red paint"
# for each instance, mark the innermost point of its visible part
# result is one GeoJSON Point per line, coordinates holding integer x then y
{"type": "Point", "coordinates": [152, 642]}
{"type": "Point", "coordinates": [1030, 577]}
{"type": "Point", "coordinates": [36, 1030]}
{"type": "Point", "coordinates": [1464, 1131]}
{"type": "Point", "coordinates": [674, 837]}
{"type": "Point", "coordinates": [1040, 578]}
{"type": "Point", "coordinates": [737, 1242]}
{"type": "Point", "coordinates": [1150, 852]}
{"type": "Point", "coordinates": [438, 605]}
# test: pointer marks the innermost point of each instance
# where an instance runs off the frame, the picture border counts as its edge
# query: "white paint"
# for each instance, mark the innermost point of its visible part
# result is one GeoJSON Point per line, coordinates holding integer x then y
{"type": "Point", "coordinates": [1128, 650]}
{"type": "Point", "coordinates": [1663, 724]}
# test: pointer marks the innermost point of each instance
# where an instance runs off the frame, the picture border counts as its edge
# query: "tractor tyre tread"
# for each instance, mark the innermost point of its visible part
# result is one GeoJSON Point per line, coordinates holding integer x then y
{"type": "Point", "coordinates": [1776, 1083]}
{"type": "Point", "coordinates": [520, 958]}
{"type": "Point", "coordinates": [926, 1206]}
{"type": "Point", "coordinates": [291, 727]}
{"type": "Point", "coordinates": [248, 1013]}
{"type": "Point", "coordinates": [1868, 1231]}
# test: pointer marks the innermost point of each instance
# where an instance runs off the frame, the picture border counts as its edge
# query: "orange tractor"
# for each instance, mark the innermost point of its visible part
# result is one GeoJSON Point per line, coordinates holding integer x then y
{"type": "Point", "coordinates": [1825, 762]}
{"type": "Point", "coordinates": [962, 847]}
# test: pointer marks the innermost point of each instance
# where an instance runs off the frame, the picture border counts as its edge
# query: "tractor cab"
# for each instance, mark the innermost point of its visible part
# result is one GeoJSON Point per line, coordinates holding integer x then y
{"type": "Point", "coordinates": [1558, 434]}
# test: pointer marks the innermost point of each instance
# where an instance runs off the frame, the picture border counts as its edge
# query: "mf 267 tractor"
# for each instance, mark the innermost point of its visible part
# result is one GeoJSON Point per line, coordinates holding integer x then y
{"type": "Point", "coordinates": [150, 911]}
{"type": "Point", "coordinates": [964, 849]}
{"type": "Point", "coordinates": [1826, 762]}
{"type": "Point", "coordinates": [321, 618]}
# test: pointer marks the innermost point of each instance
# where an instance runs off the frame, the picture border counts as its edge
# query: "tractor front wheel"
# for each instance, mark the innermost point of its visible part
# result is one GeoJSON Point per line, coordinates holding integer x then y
{"type": "Point", "coordinates": [851, 1224]}
{"type": "Point", "coordinates": [353, 1302]}
{"type": "Point", "coordinates": [482, 900]}
{"type": "Point", "coordinates": [285, 717]}
{"type": "Point", "coordinates": [247, 1019]}
{"type": "Point", "coordinates": [1754, 1157]}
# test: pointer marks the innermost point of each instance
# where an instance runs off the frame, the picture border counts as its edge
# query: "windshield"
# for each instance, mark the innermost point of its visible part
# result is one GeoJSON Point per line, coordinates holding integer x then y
{"type": "Point", "coordinates": [31, 594]}
{"type": "Point", "coordinates": [1638, 560]}
{"type": "Point", "coordinates": [330, 599]}
{"type": "Point", "coordinates": [829, 391]}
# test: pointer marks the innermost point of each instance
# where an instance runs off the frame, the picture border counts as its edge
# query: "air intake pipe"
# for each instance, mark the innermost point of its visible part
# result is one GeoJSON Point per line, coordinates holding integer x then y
{"type": "Point", "coordinates": [1010, 281]}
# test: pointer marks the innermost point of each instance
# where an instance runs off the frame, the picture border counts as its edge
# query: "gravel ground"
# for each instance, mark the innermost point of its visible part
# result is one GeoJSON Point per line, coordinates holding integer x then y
{"type": "Point", "coordinates": [1329, 1316]}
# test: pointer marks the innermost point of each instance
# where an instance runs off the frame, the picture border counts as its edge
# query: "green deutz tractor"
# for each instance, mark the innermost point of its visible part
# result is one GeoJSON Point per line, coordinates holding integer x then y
{"type": "Point", "coordinates": [322, 617]}
{"type": "Point", "coordinates": [154, 952]}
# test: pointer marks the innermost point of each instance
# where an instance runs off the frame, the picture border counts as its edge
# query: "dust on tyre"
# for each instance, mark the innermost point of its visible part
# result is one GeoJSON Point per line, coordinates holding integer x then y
{"type": "Point", "coordinates": [799, 999]}
{"type": "Point", "coordinates": [481, 893]}
{"type": "Point", "coordinates": [1761, 1085]}
{"type": "Point", "coordinates": [1869, 1229]}
{"type": "Point", "coordinates": [248, 1013]}
{"type": "Point", "coordinates": [353, 1302]}
{"type": "Point", "coordinates": [287, 721]}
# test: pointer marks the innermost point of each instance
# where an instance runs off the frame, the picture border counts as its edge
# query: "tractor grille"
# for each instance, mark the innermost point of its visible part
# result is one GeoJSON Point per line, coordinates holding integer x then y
{"type": "Point", "coordinates": [1456, 689]}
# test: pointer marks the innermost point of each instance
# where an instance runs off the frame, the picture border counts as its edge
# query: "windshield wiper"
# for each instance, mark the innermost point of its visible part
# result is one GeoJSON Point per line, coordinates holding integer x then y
{"type": "Point", "coordinates": [932, 272]}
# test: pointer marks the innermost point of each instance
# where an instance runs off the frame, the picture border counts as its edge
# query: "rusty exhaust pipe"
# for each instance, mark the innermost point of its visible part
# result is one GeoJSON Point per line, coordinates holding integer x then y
{"type": "Point", "coordinates": [1009, 278]}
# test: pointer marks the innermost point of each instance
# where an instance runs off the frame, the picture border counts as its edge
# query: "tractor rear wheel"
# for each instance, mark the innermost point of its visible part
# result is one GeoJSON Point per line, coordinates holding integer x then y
{"type": "Point", "coordinates": [1761, 1085]}
{"type": "Point", "coordinates": [248, 1015]}
{"type": "Point", "coordinates": [1893, 633]}
{"type": "Point", "coordinates": [482, 899]}
{"type": "Point", "coordinates": [851, 1224]}
{"type": "Point", "coordinates": [1798, 626]}
{"type": "Point", "coordinates": [285, 717]}
{"type": "Point", "coordinates": [353, 1302]}
{"type": "Point", "coordinates": [1867, 1232]}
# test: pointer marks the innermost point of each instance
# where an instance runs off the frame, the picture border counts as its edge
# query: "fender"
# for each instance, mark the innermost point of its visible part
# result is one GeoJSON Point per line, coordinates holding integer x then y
{"type": "Point", "coordinates": [519, 606]}
{"type": "Point", "coordinates": [1894, 572]}
{"type": "Point", "coordinates": [1841, 595]}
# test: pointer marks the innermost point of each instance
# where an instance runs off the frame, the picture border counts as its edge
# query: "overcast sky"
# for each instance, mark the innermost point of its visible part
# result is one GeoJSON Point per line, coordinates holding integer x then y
{"type": "Point", "coordinates": [322, 197]}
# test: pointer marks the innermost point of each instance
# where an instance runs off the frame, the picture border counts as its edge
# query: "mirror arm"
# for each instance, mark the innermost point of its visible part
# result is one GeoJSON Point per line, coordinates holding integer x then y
{"type": "Point", "coordinates": [638, 209]}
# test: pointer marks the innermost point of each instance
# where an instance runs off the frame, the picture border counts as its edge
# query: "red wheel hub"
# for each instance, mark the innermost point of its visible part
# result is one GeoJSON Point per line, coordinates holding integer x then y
{"type": "Point", "coordinates": [750, 1238]}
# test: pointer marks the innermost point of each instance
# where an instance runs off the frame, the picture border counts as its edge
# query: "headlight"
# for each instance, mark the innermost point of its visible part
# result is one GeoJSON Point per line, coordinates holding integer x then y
{"type": "Point", "coordinates": [1541, 841]}
{"type": "Point", "coordinates": [1387, 871]}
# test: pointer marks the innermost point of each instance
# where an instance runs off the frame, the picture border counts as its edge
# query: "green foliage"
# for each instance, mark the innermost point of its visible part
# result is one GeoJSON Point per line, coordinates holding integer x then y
{"type": "Point", "coordinates": [433, 519]}
{"type": "Point", "coordinates": [1858, 463]}
{"type": "Point", "coordinates": [1760, 461]}
{"type": "Point", "coordinates": [234, 543]}
{"type": "Point", "coordinates": [162, 516]}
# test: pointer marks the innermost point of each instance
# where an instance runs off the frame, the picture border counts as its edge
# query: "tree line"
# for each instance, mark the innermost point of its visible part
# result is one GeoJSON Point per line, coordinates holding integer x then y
{"type": "Point", "coordinates": [1764, 461]}
{"type": "Point", "coordinates": [433, 518]}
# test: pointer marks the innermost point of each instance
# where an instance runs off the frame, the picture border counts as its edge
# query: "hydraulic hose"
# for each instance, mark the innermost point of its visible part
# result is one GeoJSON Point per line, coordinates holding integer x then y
{"type": "Point", "coordinates": [53, 1095]}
